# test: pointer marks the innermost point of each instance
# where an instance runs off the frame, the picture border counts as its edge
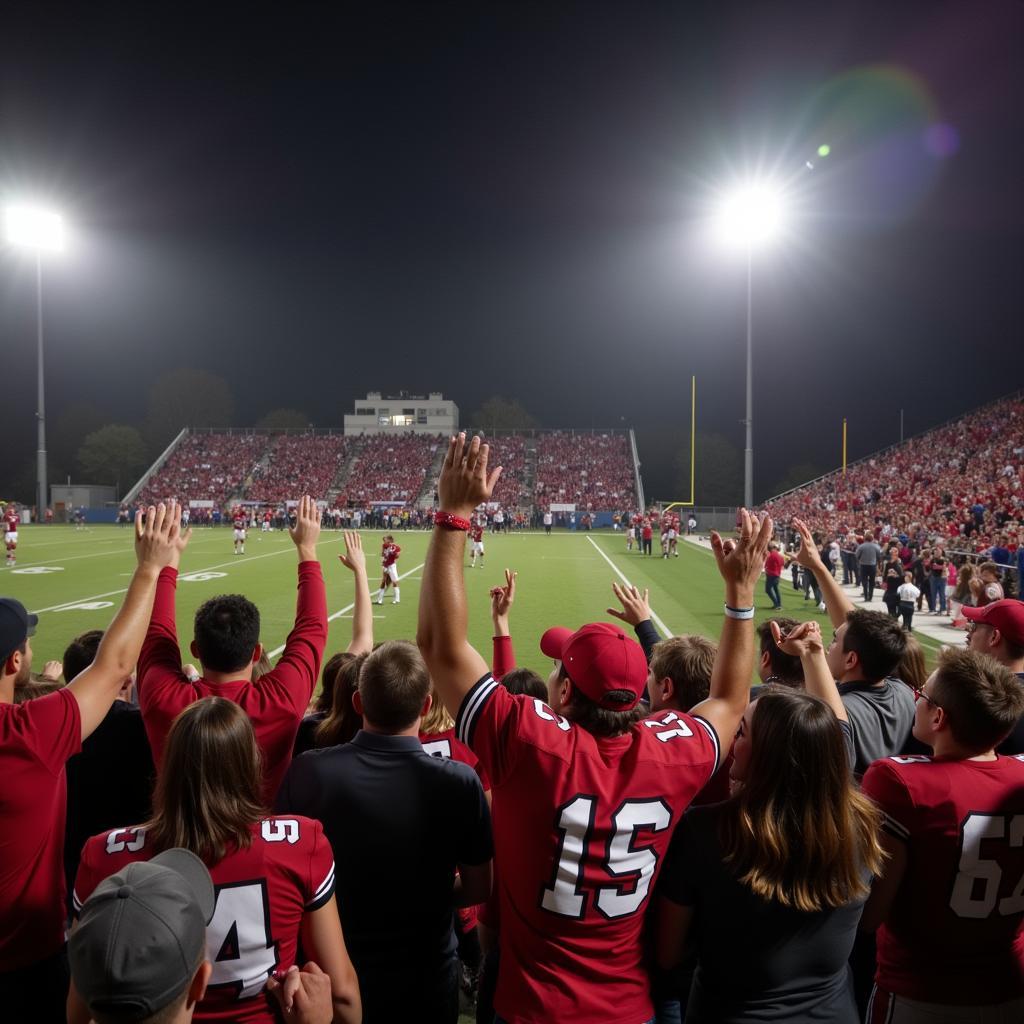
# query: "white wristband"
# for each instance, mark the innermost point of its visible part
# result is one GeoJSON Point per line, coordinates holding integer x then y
{"type": "Point", "coordinates": [739, 613]}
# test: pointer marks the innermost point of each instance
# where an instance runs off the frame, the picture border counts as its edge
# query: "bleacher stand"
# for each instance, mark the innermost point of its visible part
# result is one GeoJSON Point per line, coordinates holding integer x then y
{"type": "Point", "coordinates": [593, 471]}
{"type": "Point", "coordinates": [299, 464]}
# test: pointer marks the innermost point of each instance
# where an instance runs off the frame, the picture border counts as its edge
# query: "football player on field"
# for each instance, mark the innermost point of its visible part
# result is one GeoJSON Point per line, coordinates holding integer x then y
{"type": "Point", "coordinates": [476, 536]}
{"type": "Point", "coordinates": [11, 520]}
{"type": "Point", "coordinates": [586, 793]}
{"type": "Point", "coordinates": [949, 905]}
{"type": "Point", "coordinates": [389, 554]}
{"type": "Point", "coordinates": [238, 521]}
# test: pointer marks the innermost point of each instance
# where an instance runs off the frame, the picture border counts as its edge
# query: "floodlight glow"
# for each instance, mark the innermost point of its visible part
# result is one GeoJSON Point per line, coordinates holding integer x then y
{"type": "Point", "coordinates": [824, 150]}
{"type": "Point", "coordinates": [750, 216]}
{"type": "Point", "coordinates": [31, 227]}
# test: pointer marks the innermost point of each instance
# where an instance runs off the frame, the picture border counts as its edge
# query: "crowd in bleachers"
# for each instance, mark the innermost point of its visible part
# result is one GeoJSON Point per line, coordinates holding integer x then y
{"type": "Point", "coordinates": [962, 483]}
{"type": "Point", "coordinates": [509, 452]}
{"type": "Point", "coordinates": [205, 467]}
{"type": "Point", "coordinates": [298, 464]}
{"type": "Point", "coordinates": [592, 471]}
{"type": "Point", "coordinates": [665, 839]}
{"type": "Point", "coordinates": [389, 468]}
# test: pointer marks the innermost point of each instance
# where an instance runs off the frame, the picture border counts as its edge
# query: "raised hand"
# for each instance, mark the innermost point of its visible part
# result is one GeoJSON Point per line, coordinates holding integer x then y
{"type": "Point", "coordinates": [52, 671]}
{"type": "Point", "coordinates": [802, 641]}
{"type": "Point", "coordinates": [808, 556]}
{"type": "Point", "coordinates": [303, 996]}
{"type": "Point", "coordinates": [636, 607]}
{"type": "Point", "coordinates": [306, 531]}
{"type": "Point", "coordinates": [465, 482]}
{"type": "Point", "coordinates": [158, 537]}
{"type": "Point", "coordinates": [354, 558]}
{"type": "Point", "coordinates": [503, 597]}
{"type": "Point", "coordinates": [740, 565]}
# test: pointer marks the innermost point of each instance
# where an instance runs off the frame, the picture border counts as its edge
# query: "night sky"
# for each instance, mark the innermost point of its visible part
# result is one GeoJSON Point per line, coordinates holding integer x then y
{"type": "Point", "coordinates": [511, 198]}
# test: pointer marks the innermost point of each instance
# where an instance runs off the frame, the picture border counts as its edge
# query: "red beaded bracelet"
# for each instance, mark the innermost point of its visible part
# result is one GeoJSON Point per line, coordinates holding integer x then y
{"type": "Point", "coordinates": [450, 521]}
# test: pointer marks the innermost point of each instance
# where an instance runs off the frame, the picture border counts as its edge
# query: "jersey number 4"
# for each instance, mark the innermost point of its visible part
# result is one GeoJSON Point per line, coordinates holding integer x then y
{"type": "Point", "coordinates": [620, 858]}
{"type": "Point", "coordinates": [978, 880]}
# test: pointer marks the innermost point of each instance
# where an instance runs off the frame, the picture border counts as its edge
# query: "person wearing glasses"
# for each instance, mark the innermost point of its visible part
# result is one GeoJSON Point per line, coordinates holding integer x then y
{"type": "Point", "coordinates": [949, 903]}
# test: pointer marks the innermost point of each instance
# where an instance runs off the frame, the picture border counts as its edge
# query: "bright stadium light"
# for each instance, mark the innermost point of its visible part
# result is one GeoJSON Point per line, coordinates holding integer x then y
{"type": "Point", "coordinates": [35, 228]}
{"type": "Point", "coordinates": [38, 231]}
{"type": "Point", "coordinates": [748, 218]}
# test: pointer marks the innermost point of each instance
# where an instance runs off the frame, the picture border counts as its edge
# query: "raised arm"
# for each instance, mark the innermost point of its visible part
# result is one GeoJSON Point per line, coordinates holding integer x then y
{"type": "Point", "coordinates": [503, 658]}
{"type": "Point", "coordinates": [157, 537]}
{"type": "Point", "coordinates": [442, 632]}
{"type": "Point", "coordinates": [740, 565]}
{"type": "Point", "coordinates": [354, 560]}
{"type": "Point", "coordinates": [836, 602]}
{"type": "Point", "coordinates": [805, 643]}
{"type": "Point", "coordinates": [636, 610]}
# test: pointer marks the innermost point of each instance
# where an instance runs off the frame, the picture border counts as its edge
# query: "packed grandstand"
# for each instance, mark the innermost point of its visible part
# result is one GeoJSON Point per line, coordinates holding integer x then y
{"type": "Point", "coordinates": [591, 470]}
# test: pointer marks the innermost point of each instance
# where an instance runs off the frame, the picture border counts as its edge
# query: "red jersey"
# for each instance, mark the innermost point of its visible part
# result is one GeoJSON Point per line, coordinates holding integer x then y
{"type": "Point", "coordinates": [476, 532]}
{"type": "Point", "coordinates": [261, 896]}
{"type": "Point", "coordinates": [581, 826]}
{"type": "Point", "coordinates": [954, 934]}
{"type": "Point", "coordinates": [36, 739]}
{"type": "Point", "coordinates": [389, 554]}
{"type": "Point", "coordinates": [239, 522]}
{"type": "Point", "coordinates": [11, 520]}
{"type": "Point", "coordinates": [275, 702]}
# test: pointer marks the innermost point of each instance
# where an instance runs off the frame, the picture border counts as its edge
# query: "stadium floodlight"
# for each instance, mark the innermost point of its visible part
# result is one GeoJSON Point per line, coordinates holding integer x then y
{"type": "Point", "coordinates": [749, 218]}
{"type": "Point", "coordinates": [37, 230]}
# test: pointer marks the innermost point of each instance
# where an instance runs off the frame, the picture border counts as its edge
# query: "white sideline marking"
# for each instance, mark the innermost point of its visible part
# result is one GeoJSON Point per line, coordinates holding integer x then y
{"type": "Point", "coordinates": [654, 615]}
{"type": "Point", "coordinates": [343, 611]}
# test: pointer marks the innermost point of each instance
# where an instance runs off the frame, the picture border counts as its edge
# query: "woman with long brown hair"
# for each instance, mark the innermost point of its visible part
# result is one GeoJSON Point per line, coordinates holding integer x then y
{"type": "Point", "coordinates": [273, 876]}
{"type": "Point", "coordinates": [775, 878]}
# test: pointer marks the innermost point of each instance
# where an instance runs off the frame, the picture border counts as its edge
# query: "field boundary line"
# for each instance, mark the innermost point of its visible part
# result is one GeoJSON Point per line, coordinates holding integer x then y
{"type": "Point", "coordinates": [342, 611]}
{"type": "Point", "coordinates": [618, 572]}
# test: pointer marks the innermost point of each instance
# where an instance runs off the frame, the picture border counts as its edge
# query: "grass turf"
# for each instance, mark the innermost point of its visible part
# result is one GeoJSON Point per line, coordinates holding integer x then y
{"type": "Point", "coordinates": [76, 579]}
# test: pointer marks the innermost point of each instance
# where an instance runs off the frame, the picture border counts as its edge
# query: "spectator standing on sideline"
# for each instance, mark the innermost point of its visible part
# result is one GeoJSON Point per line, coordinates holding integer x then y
{"type": "Point", "coordinates": [578, 785]}
{"type": "Point", "coordinates": [36, 740]}
{"type": "Point", "coordinates": [773, 565]}
{"type": "Point", "coordinates": [383, 799]}
{"type": "Point", "coordinates": [868, 555]}
{"type": "Point", "coordinates": [907, 594]}
{"type": "Point", "coordinates": [227, 644]}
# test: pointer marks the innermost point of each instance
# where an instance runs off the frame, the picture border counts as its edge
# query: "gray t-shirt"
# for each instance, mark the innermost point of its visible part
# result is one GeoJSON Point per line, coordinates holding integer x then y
{"type": "Point", "coordinates": [881, 718]}
{"type": "Point", "coordinates": [757, 960]}
{"type": "Point", "coordinates": [868, 553]}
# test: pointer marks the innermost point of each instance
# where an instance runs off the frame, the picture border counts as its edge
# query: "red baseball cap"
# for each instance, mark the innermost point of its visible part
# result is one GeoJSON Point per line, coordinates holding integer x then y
{"type": "Point", "coordinates": [1007, 616]}
{"type": "Point", "coordinates": [609, 667]}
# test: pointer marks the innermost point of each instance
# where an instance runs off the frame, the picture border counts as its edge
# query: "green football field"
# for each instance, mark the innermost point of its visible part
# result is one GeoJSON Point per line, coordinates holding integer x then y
{"type": "Point", "coordinates": [75, 579]}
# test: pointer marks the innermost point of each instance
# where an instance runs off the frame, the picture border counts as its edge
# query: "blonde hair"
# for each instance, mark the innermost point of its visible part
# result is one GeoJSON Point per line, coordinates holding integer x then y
{"type": "Point", "coordinates": [438, 720]}
{"type": "Point", "coordinates": [799, 833]}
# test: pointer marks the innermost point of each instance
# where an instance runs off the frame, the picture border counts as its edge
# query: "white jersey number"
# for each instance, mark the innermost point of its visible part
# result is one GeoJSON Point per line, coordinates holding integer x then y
{"type": "Point", "coordinates": [238, 939]}
{"type": "Point", "coordinates": [438, 748]}
{"type": "Point", "coordinates": [976, 888]}
{"type": "Point", "coordinates": [620, 859]}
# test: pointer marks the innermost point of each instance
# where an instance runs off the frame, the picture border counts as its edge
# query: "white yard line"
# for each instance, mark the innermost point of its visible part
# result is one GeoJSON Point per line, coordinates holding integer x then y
{"type": "Point", "coordinates": [220, 565]}
{"type": "Point", "coordinates": [618, 572]}
{"type": "Point", "coordinates": [344, 611]}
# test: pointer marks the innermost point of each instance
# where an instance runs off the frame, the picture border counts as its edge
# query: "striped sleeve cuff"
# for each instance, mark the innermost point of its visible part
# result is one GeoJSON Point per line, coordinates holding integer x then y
{"type": "Point", "coordinates": [472, 704]}
{"type": "Point", "coordinates": [713, 735]}
{"type": "Point", "coordinates": [324, 892]}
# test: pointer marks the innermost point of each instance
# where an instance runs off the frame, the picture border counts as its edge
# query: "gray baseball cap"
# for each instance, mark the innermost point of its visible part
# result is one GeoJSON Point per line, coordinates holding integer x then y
{"type": "Point", "coordinates": [141, 935]}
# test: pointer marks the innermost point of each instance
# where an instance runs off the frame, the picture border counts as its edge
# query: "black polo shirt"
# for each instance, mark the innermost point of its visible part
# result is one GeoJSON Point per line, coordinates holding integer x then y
{"type": "Point", "coordinates": [399, 822]}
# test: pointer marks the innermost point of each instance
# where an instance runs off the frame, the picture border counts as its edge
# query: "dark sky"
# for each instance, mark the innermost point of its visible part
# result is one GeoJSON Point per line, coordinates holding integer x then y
{"type": "Point", "coordinates": [317, 200]}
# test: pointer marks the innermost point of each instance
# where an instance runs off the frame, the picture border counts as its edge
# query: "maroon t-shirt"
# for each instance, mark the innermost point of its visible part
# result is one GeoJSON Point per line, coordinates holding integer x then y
{"type": "Point", "coordinates": [36, 739]}
{"type": "Point", "coordinates": [275, 702]}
